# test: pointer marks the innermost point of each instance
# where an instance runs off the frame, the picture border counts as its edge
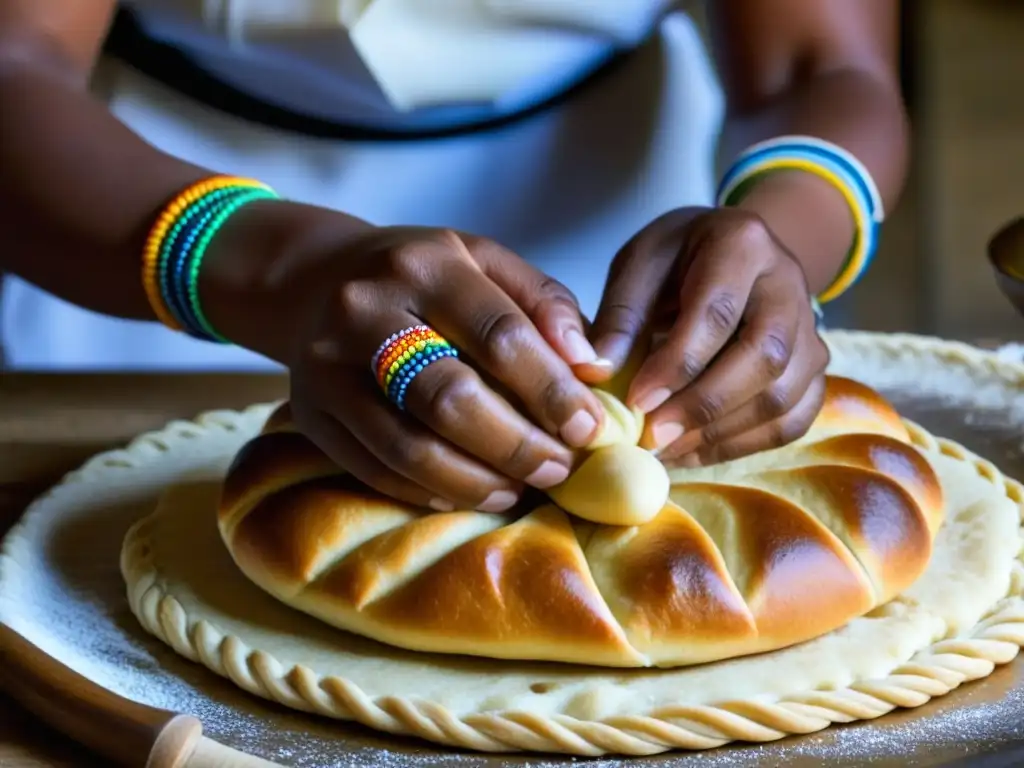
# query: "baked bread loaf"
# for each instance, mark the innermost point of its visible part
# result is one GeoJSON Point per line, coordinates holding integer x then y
{"type": "Point", "coordinates": [741, 558]}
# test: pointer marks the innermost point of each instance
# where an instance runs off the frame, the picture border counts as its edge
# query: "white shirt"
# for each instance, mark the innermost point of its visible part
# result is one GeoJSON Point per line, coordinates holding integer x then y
{"type": "Point", "coordinates": [402, 63]}
{"type": "Point", "coordinates": [563, 188]}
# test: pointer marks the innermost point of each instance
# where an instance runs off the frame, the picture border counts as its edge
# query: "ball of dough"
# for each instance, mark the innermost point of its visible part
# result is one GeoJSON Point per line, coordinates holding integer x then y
{"type": "Point", "coordinates": [617, 482]}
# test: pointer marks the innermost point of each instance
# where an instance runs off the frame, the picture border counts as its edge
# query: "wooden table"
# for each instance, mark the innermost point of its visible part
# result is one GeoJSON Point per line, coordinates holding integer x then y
{"type": "Point", "coordinates": [49, 424]}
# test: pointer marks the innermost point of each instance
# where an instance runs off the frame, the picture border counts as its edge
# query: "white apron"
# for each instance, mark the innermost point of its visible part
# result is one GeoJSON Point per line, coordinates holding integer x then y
{"type": "Point", "coordinates": [563, 188]}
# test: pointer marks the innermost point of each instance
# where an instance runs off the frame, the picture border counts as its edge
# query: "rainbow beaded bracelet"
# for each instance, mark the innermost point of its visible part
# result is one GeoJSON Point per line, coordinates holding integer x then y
{"type": "Point", "coordinates": [177, 244]}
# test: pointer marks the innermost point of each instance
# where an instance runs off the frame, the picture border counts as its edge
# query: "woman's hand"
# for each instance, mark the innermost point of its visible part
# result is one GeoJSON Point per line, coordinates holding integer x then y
{"type": "Point", "coordinates": [741, 368]}
{"type": "Point", "coordinates": [474, 429]}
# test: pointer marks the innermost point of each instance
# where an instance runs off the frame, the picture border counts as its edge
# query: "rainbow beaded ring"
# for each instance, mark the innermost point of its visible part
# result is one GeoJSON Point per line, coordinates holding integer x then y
{"type": "Point", "coordinates": [404, 355]}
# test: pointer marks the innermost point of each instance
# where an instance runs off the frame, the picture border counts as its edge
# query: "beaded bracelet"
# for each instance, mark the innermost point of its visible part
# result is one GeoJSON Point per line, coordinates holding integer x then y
{"type": "Point", "coordinates": [177, 244]}
{"type": "Point", "coordinates": [830, 163]}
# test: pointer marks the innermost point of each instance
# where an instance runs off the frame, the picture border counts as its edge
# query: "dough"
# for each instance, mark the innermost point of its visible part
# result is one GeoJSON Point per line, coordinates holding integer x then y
{"type": "Point", "coordinates": [962, 617]}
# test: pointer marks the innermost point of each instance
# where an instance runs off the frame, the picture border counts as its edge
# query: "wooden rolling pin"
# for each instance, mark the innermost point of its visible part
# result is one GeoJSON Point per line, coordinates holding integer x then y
{"type": "Point", "coordinates": [1006, 252]}
{"type": "Point", "coordinates": [120, 730]}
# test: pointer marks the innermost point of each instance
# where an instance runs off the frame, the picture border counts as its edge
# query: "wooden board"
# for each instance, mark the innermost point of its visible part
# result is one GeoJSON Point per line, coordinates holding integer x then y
{"type": "Point", "coordinates": [49, 424]}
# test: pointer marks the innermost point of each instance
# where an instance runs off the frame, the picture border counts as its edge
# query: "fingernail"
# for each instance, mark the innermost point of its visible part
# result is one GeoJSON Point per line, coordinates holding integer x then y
{"type": "Point", "coordinates": [442, 505]}
{"type": "Point", "coordinates": [499, 501]}
{"type": "Point", "coordinates": [578, 430]}
{"type": "Point", "coordinates": [603, 362]}
{"type": "Point", "coordinates": [613, 348]}
{"type": "Point", "coordinates": [652, 400]}
{"type": "Point", "coordinates": [666, 434]}
{"type": "Point", "coordinates": [578, 348]}
{"type": "Point", "coordinates": [547, 475]}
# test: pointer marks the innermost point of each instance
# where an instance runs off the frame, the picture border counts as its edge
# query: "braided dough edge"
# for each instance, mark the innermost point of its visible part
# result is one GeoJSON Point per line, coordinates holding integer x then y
{"type": "Point", "coordinates": [931, 672]}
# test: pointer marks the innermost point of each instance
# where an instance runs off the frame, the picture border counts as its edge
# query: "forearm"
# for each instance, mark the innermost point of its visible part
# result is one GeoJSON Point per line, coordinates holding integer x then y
{"type": "Point", "coordinates": [79, 193]}
{"type": "Point", "coordinates": [854, 109]}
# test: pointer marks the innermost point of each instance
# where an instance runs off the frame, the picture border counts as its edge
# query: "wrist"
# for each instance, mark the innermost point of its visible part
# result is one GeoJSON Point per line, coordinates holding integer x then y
{"type": "Point", "coordinates": [809, 217]}
{"type": "Point", "coordinates": [262, 268]}
{"type": "Point", "coordinates": [809, 164]}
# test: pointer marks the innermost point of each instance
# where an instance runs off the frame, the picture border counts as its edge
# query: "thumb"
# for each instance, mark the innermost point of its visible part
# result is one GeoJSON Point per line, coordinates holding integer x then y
{"type": "Point", "coordinates": [635, 284]}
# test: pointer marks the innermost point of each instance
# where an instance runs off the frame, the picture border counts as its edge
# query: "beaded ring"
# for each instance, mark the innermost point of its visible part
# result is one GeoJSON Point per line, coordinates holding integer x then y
{"type": "Point", "coordinates": [402, 356]}
{"type": "Point", "coordinates": [177, 244]}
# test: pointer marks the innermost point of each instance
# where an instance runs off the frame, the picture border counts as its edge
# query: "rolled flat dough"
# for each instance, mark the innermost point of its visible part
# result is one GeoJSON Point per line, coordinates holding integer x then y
{"type": "Point", "coordinates": [965, 615]}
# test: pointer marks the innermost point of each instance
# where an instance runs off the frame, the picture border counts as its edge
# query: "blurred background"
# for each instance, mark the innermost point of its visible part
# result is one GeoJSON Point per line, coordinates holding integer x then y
{"type": "Point", "coordinates": [963, 75]}
{"type": "Point", "coordinates": [963, 70]}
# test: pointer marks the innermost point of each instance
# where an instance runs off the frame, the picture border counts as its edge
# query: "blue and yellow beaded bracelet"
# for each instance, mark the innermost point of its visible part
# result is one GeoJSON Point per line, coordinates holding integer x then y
{"type": "Point", "coordinates": [832, 164]}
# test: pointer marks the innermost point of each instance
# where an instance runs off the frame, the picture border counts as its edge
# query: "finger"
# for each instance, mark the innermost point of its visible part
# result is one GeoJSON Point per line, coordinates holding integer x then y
{"type": "Point", "coordinates": [778, 399]}
{"type": "Point", "coordinates": [551, 306]}
{"type": "Point", "coordinates": [746, 368]}
{"type": "Point", "coordinates": [773, 434]}
{"type": "Point", "coordinates": [348, 453]}
{"type": "Point", "coordinates": [497, 336]}
{"type": "Point", "coordinates": [635, 282]}
{"type": "Point", "coordinates": [452, 400]}
{"type": "Point", "coordinates": [724, 266]}
{"type": "Point", "coordinates": [405, 446]}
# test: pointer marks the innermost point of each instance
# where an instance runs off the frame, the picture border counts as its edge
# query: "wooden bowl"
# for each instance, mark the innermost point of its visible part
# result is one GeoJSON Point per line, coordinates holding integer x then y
{"type": "Point", "coordinates": [1006, 253]}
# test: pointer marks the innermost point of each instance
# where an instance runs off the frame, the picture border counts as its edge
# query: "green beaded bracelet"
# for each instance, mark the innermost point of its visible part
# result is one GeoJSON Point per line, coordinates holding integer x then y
{"type": "Point", "coordinates": [194, 257]}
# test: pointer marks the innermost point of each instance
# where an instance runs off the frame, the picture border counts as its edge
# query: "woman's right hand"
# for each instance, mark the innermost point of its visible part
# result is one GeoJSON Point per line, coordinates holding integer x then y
{"type": "Point", "coordinates": [460, 443]}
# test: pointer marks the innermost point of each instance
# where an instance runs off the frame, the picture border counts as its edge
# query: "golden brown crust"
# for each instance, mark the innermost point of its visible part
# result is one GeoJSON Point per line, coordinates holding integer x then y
{"type": "Point", "coordinates": [855, 407]}
{"type": "Point", "coordinates": [744, 558]}
{"type": "Point", "coordinates": [522, 586]}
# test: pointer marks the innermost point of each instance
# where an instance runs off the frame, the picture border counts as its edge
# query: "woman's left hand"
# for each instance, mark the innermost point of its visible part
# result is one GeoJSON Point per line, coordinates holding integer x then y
{"type": "Point", "coordinates": [741, 368]}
